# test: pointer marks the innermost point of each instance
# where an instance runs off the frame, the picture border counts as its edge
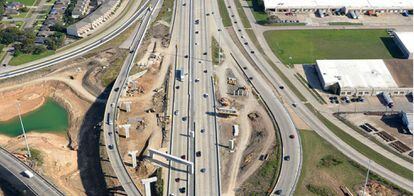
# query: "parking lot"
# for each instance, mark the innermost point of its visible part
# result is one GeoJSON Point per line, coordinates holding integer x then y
{"type": "Point", "coordinates": [386, 19]}
{"type": "Point", "coordinates": [371, 103]}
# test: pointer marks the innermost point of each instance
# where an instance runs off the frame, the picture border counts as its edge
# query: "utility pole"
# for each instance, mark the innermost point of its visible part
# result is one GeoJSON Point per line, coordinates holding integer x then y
{"type": "Point", "coordinates": [24, 132]}
{"type": "Point", "coordinates": [366, 178]}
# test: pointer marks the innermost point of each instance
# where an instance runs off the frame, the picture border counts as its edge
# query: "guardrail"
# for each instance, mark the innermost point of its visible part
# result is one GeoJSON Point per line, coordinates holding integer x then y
{"type": "Point", "coordinates": [51, 185]}
{"type": "Point", "coordinates": [79, 52]}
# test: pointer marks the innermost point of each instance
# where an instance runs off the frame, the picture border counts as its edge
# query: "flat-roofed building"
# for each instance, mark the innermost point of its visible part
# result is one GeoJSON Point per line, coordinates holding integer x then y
{"type": "Point", "coordinates": [81, 8]}
{"type": "Point", "coordinates": [360, 77]}
{"type": "Point", "coordinates": [92, 21]}
{"type": "Point", "coordinates": [362, 6]}
{"type": "Point", "coordinates": [405, 41]}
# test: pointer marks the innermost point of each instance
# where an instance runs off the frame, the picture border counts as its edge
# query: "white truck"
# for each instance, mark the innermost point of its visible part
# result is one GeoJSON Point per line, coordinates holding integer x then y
{"type": "Point", "coordinates": [235, 130]}
{"type": "Point", "coordinates": [28, 173]}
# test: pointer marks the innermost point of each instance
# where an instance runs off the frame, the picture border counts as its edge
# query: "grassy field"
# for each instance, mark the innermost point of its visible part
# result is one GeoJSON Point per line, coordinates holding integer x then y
{"type": "Point", "coordinates": [261, 182]}
{"type": "Point", "coordinates": [25, 58]}
{"type": "Point", "coordinates": [327, 169]}
{"type": "Point", "coordinates": [112, 71]}
{"type": "Point", "coordinates": [224, 13]}
{"type": "Point", "coordinates": [215, 51]}
{"type": "Point", "coordinates": [258, 11]}
{"type": "Point", "coordinates": [331, 44]}
{"type": "Point", "coordinates": [166, 11]}
{"type": "Point", "coordinates": [26, 2]}
{"type": "Point", "coordinates": [242, 15]}
{"type": "Point", "coordinates": [362, 148]}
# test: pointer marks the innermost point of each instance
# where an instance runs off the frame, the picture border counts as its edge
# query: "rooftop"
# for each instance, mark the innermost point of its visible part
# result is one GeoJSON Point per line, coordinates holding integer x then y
{"type": "Point", "coordinates": [407, 38]}
{"type": "Point", "coordinates": [339, 3]}
{"type": "Point", "coordinates": [372, 73]}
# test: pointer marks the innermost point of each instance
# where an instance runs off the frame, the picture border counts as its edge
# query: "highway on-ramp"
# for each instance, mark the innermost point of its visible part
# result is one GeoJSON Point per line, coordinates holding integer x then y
{"type": "Point", "coordinates": [111, 109]}
{"type": "Point", "coordinates": [37, 184]}
{"type": "Point", "coordinates": [273, 80]}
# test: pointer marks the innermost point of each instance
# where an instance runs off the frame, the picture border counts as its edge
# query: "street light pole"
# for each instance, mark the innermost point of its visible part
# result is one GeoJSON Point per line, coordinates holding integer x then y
{"type": "Point", "coordinates": [366, 178]}
{"type": "Point", "coordinates": [24, 132]}
{"type": "Point", "coordinates": [219, 45]}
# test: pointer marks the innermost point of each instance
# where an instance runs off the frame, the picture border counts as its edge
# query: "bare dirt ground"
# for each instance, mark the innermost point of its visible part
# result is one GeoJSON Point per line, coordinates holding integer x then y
{"type": "Point", "coordinates": [147, 97]}
{"type": "Point", "coordinates": [59, 151]}
{"type": "Point", "coordinates": [255, 137]}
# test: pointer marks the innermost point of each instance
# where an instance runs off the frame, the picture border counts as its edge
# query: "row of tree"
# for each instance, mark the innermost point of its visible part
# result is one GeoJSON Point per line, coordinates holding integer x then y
{"type": "Point", "coordinates": [24, 41]}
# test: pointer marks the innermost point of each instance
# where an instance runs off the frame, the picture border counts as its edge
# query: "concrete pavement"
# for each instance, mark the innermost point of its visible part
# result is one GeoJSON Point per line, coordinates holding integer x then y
{"type": "Point", "coordinates": [111, 110]}
{"type": "Point", "coordinates": [36, 184]}
{"type": "Point", "coordinates": [322, 130]}
{"type": "Point", "coordinates": [258, 30]}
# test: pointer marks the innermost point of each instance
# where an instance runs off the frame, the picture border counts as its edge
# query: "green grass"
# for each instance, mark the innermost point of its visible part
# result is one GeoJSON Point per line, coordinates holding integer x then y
{"type": "Point", "coordinates": [25, 58]}
{"type": "Point", "coordinates": [262, 180]}
{"type": "Point", "coordinates": [337, 169]}
{"type": "Point", "coordinates": [112, 71]}
{"type": "Point", "coordinates": [345, 23]}
{"type": "Point", "coordinates": [362, 148]}
{"type": "Point", "coordinates": [26, 2]}
{"type": "Point", "coordinates": [306, 46]}
{"type": "Point", "coordinates": [36, 156]}
{"type": "Point", "coordinates": [215, 51]}
{"type": "Point", "coordinates": [279, 72]}
{"type": "Point", "coordinates": [258, 11]}
{"type": "Point", "coordinates": [224, 13]}
{"type": "Point", "coordinates": [313, 92]}
{"type": "Point", "coordinates": [166, 11]}
{"type": "Point", "coordinates": [242, 14]}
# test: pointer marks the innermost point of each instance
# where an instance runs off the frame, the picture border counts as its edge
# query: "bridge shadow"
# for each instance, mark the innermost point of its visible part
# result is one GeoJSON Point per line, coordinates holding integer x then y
{"type": "Point", "coordinates": [89, 159]}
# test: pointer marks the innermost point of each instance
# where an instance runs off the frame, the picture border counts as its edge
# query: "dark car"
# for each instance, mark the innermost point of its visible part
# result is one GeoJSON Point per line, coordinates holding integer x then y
{"type": "Point", "coordinates": [183, 156]}
{"type": "Point", "coordinates": [110, 146]}
{"type": "Point", "coordinates": [202, 130]}
{"type": "Point", "coordinates": [186, 56]}
{"type": "Point", "coordinates": [291, 136]}
{"type": "Point", "coordinates": [205, 53]}
{"type": "Point", "coordinates": [287, 158]}
{"type": "Point", "coordinates": [250, 78]}
{"type": "Point", "coordinates": [177, 179]}
{"type": "Point", "coordinates": [116, 89]}
{"type": "Point", "coordinates": [281, 87]}
{"type": "Point", "coordinates": [278, 192]}
{"type": "Point", "coordinates": [182, 190]}
{"type": "Point", "coordinates": [198, 153]}
{"type": "Point", "coordinates": [203, 170]}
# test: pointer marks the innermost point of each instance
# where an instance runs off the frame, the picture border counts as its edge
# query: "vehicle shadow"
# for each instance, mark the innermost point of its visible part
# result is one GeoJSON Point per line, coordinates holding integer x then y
{"type": "Point", "coordinates": [89, 159]}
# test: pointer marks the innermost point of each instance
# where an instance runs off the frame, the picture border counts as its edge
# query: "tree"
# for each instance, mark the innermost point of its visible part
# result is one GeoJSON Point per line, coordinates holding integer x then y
{"type": "Point", "coordinates": [24, 9]}
{"type": "Point", "coordinates": [39, 49]}
{"type": "Point", "coordinates": [50, 44]}
{"type": "Point", "coordinates": [59, 27]}
{"type": "Point", "coordinates": [9, 35]}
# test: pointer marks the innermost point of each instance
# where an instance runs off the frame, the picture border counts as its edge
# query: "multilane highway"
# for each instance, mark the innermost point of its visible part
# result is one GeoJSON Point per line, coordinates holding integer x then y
{"type": "Point", "coordinates": [77, 51]}
{"type": "Point", "coordinates": [111, 109]}
{"type": "Point", "coordinates": [305, 114]}
{"type": "Point", "coordinates": [194, 130]}
{"type": "Point", "coordinates": [37, 184]}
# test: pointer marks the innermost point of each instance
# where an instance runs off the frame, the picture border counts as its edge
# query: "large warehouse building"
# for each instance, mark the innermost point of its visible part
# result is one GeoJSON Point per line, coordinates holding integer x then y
{"type": "Point", "coordinates": [364, 77]}
{"type": "Point", "coordinates": [405, 41]}
{"type": "Point", "coordinates": [362, 6]}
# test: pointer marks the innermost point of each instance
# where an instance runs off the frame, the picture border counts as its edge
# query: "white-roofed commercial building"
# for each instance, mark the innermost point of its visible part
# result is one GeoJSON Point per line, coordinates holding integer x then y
{"type": "Point", "coordinates": [362, 6]}
{"type": "Point", "coordinates": [405, 41]}
{"type": "Point", "coordinates": [358, 77]}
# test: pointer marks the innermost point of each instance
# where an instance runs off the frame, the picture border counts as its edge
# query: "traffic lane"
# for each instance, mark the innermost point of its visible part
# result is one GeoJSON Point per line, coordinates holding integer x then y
{"type": "Point", "coordinates": [49, 61]}
{"type": "Point", "coordinates": [36, 184]}
{"type": "Point", "coordinates": [349, 151]}
{"type": "Point", "coordinates": [179, 146]}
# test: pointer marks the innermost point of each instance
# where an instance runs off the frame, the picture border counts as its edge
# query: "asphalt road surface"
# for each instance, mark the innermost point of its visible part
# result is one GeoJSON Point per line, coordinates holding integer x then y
{"type": "Point", "coordinates": [76, 51]}
{"type": "Point", "coordinates": [109, 125]}
{"type": "Point", "coordinates": [37, 184]}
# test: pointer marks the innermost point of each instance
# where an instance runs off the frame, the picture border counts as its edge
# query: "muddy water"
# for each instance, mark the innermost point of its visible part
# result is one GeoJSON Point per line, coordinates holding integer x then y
{"type": "Point", "coordinates": [50, 117]}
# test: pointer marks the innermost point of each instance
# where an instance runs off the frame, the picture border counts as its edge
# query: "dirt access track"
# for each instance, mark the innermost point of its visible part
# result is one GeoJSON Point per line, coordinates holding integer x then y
{"type": "Point", "coordinates": [59, 151]}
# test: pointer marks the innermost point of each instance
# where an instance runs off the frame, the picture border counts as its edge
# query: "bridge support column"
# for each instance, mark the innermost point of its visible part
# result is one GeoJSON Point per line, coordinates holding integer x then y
{"type": "Point", "coordinates": [126, 129]}
{"type": "Point", "coordinates": [147, 184]}
{"type": "Point", "coordinates": [133, 155]}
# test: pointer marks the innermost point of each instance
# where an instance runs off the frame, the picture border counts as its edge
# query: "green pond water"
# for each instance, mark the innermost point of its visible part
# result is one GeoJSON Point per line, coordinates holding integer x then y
{"type": "Point", "coordinates": [50, 117]}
